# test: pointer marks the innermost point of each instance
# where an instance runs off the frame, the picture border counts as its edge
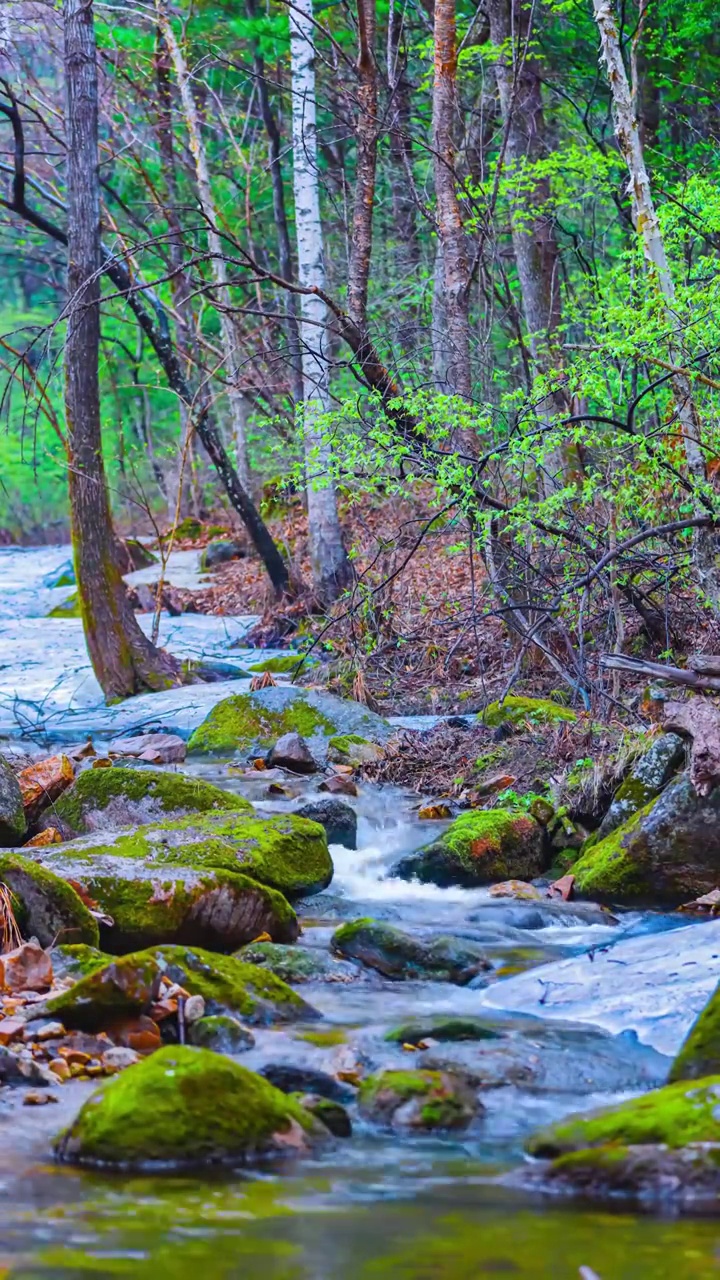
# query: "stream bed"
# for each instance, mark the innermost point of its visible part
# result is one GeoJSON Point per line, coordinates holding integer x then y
{"type": "Point", "coordinates": [581, 1010]}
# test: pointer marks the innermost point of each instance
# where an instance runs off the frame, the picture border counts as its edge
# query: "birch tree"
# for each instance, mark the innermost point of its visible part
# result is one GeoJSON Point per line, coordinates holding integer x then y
{"type": "Point", "coordinates": [238, 406]}
{"type": "Point", "coordinates": [330, 565]}
{"type": "Point", "coordinates": [648, 228]}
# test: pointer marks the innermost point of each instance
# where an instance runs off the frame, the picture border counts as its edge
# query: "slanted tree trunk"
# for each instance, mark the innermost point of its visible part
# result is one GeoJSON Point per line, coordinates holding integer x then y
{"type": "Point", "coordinates": [648, 228]}
{"type": "Point", "coordinates": [123, 659]}
{"type": "Point", "coordinates": [238, 408]}
{"type": "Point", "coordinates": [330, 565]}
{"type": "Point", "coordinates": [456, 268]}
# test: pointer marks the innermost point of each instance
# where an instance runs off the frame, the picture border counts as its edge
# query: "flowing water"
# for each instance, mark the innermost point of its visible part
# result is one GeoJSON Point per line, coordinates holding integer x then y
{"type": "Point", "coordinates": [379, 1206]}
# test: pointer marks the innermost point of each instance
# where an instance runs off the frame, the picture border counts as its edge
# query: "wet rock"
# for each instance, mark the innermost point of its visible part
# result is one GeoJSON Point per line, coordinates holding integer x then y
{"type": "Point", "coordinates": [442, 1029]}
{"type": "Point", "coordinates": [339, 785]}
{"type": "Point", "coordinates": [140, 1033]}
{"type": "Point", "coordinates": [134, 555]}
{"type": "Point", "coordinates": [479, 848]}
{"type": "Point", "coordinates": [292, 752]}
{"type": "Point", "coordinates": [230, 985]}
{"type": "Point", "coordinates": [292, 1079]}
{"type": "Point", "coordinates": [27, 968]}
{"type": "Point", "coordinates": [17, 1066]}
{"type": "Point", "coordinates": [668, 852]}
{"type": "Point", "coordinates": [185, 1107]}
{"type": "Point", "coordinates": [118, 797]}
{"type": "Point", "coordinates": [519, 711]}
{"type": "Point", "coordinates": [12, 1029]}
{"type": "Point", "coordinates": [13, 823]}
{"type": "Point", "coordinates": [685, 1180]}
{"type": "Point", "coordinates": [126, 985]}
{"type": "Point", "coordinates": [292, 964]}
{"type": "Point", "coordinates": [282, 851]}
{"type": "Point", "coordinates": [518, 889]}
{"type": "Point", "coordinates": [220, 551]}
{"type": "Point", "coordinates": [330, 1113]}
{"type": "Point", "coordinates": [194, 1009]}
{"type": "Point", "coordinates": [46, 906]}
{"type": "Point", "coordinates": [249, 723]}
{"type": "Point", "coordinates": [44, 782]}
{"type": "Point", "coordinates": [77, 960]}
{"type": "Point", "coordinates": [221, 1033]}
{"type": "Point", "coordinates": [700, 1052]}
{"type": "Point", "coordinates": [398, 955]}
{"type": "Point", "coordinates": [155, 748]}
{"type": "Point", "coordinates": [351, 749]}
{"type": "Point", "coordinates": [118, 1057]}
{"type": "Point", "coordinates": [645, 780]}
{"type": "Point", "coordinates": [338, 819]}
{"type": "Point", "coordinates": [428, 1100]}
{"type": "Point", "coordinates": [63, 576]}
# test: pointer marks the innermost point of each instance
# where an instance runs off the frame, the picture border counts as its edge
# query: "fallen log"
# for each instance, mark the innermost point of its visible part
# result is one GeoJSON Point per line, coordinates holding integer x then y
{"type": "Point", "coordinates": [690, 679]}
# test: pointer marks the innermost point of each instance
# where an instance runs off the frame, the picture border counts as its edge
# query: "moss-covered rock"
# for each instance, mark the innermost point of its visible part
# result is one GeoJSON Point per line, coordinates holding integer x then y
{"type": "Point", "coordinates": [283, 851]}
{"type": "Point", "coordinates": [13, 823]}
{"type": "Point", "coordinates": [119, 797]}
{"type": "Point", "coordinates": [185, 1107]}
{"type": "Point", "coordinates": [668, 852]}
{"type": "Point", "coordinates": [124, 985]}
{"type": "Point", "coordinates": [292, 964]}
{"type": "Point", "coordinates": [247, 723]}
{"type": "Point", "coordinates": [76, 960]}
{"type": "Point", "coordinates": [442, 1028]}
{"type": "Point", "coordinates": [675, 1116]}
{"type": "Point", "coordinates": [48, 908]}
{"type": "Point", "coordinates": [282, 664]}
{"type": "Point", "coordinates": [398, 955]}
{"type": "Point", "coordinates": [653, 1175]}
{"type": "Point", "coordinates": [645, 780]}
{"type": "Point", "coordinates": [478, 848]}
{"type": "Point", "coordinates": [699, 1055]}
{"type": "Point", "coordinates": [328, 1111]}
{"type": "Point", "coordinates": [518, 710]}
{"type": "Point", "coordinates": [427, 1100]}
{"type": "Point", "coordinates": [150, 903]}
{"type": "Point", "coordinates": [69, 608]}
{"type": "Point", "coordinates": [351, 749]}
{"type": "Point", "coordinates": [221, 1033]}
{"type": "Point", "coordinates": [229, 985]}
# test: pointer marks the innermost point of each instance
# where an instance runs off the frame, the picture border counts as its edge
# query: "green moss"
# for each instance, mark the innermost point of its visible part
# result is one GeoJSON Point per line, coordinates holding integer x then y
{"type": "Point", "coordinates": [184, 1106]}
{"type": "Point", "coordinates": [442, 1028]}
{"type": "Point", "coordinates": [515, 710]}
{"type": "Point", "coordinates": [344, 742]}
{"type": "Point", "coordinates": [189, 528]}
{"type": "Point", "coordinates": [122, 985]}
{"type": "Point", "coordinates": [221, 1033]}
{"type": "Point", "coordinates": [607, 870]}
{"type": "Point", "coordinates": [95, 789]}
{"type": "Point", "coordinates": [226, 982]}
{"type": "Point", "coordinates": [76, 960]}
{"type": "Point", "coordinates": [700, 1054]}
{"type": "Point", "coordinates": [50, 909]}
{"type": "Point", "coordinates": [482, 847]}
{"type": "Point", "coordinates": [282, 663]}
{"type": "Point", "coordinates": [444, 1101]}
{"type": "Point", "coordinates": [292, 964]}
{"type": "Point", "coordinates": [403, 1084]}
{"type": "Point", "coordinates": [241, 722]}
{"type": "Point", "coordinates": [324, 1039]}
{"type": "Point", "coordinates": [69, 608]}
{"type": "Point", "coordinates": [675, 1115]}
{"type": "Point", "coordinates": [490, 758]}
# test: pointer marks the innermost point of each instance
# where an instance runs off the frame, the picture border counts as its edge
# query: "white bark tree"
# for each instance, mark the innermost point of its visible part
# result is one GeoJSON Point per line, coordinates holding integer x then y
{"type": "Point", "coordinates": [238, 405]}
{"type": "Point", "coordinates": [648, 228]}
{"type": "Point", "coordinates": [330, 565]}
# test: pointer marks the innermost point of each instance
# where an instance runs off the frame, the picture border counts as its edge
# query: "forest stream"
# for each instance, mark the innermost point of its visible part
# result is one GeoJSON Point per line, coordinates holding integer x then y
{"type": "Point", "coordinates": [376, 1206]}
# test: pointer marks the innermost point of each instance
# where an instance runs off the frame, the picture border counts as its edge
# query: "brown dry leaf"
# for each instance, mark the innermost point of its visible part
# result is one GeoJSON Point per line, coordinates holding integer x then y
{"type": "Point", "coordinates": [265, 681]}
{"type": "Point", "coordinates": [50, 835]}
{"type": "Point", "coordinates": [44, 782]}
{"type": "Point", "coordinates": [27, 968]}
{"type": "Point", "coordinates": [562, 888]}
{"type": "Point", "coordinates": [434, 812]}
{"type": "Point", "coordinates": [38, 1098]}
{"type": "Point", "coordinates": [262, 937]}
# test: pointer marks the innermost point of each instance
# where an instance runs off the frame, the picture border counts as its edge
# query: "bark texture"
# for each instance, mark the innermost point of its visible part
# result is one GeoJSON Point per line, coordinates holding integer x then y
{"type": "Point", "coordinates": [366, 136]}
{"type": "Point", "coordinates": [330, 564]}
{"type": "Point", "coordinates": [123, 659]}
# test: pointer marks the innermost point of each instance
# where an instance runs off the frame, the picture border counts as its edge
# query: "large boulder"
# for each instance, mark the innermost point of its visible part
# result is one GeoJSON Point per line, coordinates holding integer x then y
{"type": "Point", "coordinates": [661, 1147]}
{"type": "Point", "coordinates": [282, 851]}
{"type": "Point", "coordinates": [147, 903]}
{"type": "Point", "coordinates": [646, 779]}
{"type": "Point", "coordinates": [338, 819]}
{"type": "Point", "coordinates": [107, 798]}
{"type": "Point", "coordinates": [250, 723]}
{"type": "Point", "coordinates": [398, 955]}
{"type": "Point", "coordinates": [127, 984]}
{"type": "Point", "coordinates": [426, 1100]}
{"type": "Point", "coordinates": [185, 1107]}
{"type": "Point", "coordinates": [479, 848]}
{"type": "Point", "coordinates": [13, 823]}
{"type": "Point", "coordinates": [699, 1054]}
{"type": "Point", "coordinates": [46, 906]}
{"type": "Point", "coordinates": [668, 852]}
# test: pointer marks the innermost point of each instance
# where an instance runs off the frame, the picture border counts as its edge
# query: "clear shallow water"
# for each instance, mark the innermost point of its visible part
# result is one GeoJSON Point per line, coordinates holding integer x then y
{"type": "Point", "coordinates": [380, 1206]}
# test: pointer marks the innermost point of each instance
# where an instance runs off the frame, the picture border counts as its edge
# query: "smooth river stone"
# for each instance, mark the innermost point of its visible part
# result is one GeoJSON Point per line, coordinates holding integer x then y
{"type": "Point", "coordinates": [653, 984]}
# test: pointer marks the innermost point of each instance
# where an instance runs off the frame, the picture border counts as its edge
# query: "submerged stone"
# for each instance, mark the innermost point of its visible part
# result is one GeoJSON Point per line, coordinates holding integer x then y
{"type": "Point", "coordinates": [479, 848]}
{"type": "Point", "coordinates": [292, 964]}
{"type": "Point", "coordinates": [185, 1107]}
{"type": "Point", "coordinates": [427, 1100]}
{"type": "Point", "coordinates": [398, 955]}
{"type": "Point", "coordinates": [121, 797]}
{"type": "Point", "coordinates": [444, 1029]}
{"type": "Point", "coordinates": [248, 722]}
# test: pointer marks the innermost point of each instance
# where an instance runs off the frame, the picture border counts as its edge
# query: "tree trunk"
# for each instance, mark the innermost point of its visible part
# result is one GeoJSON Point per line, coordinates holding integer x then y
{"type": "Point", "coordinates": [366, 142]}
{"type": "Point", "coordinates": [215, 245]}
{"type": "Point", "coordinates": [456, 270]}
{"type": "Point", "coordinates": [330, 565]}
{"type": "Point", "coordinates": [123, 659]}
{"type": "Point", "coordinates": [648, 227]}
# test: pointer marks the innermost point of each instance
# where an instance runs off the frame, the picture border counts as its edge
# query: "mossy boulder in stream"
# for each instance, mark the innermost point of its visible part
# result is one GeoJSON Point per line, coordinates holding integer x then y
{"type": "Point", "coordinates": [13, 823]}
{"type": "Point", "coordinates": [428, 1100]}
{"type": "Point", "coordinates": [661, 1147]}
{"type": "Point", "coordinates": [478, 848]}
{"type": "Point", "coordinates": [248, 723]}
{"type": "Point", "coordinates": [120, 797]}
{"type": "Point", "coordinates": [281, 851]}
{"type": "Point", "coordinates": [668, 852]}
{"type": "Point", "coordinates": [185, 1107]}
{"type": "Point", "coordinates": [646, 779]}
{"type": "Point", "coordinates": [122, 985]}
{"type": "Point", "coordinates": [519, 710]}
{"type": "Point", "coordinates": [699, 1055]}
{"type": "Point", "coordinates": [221, 1033]}
{"type": "Point", "coordinates": [46, 906]}
{"type": "Point", "coordinates": [292, 964]}
{"type": "Point", "coordinates": [76, 960]}
{"type": "Point", "coordinates": [398, 955]}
